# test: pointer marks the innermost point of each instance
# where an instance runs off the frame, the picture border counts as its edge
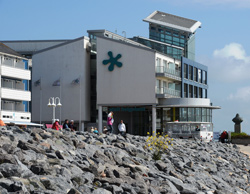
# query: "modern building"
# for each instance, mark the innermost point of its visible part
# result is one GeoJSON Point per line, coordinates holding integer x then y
{"type": "Point", "coordinates": [146, 82]}
{"type": "Point", "coordinates": [15, 95]}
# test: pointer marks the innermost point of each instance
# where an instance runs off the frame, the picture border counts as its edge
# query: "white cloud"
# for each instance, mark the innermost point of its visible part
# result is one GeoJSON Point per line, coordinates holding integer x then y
{"type": "Point", "coordinates": [241, 94]}
{"type": "Point", "coordinates": [229, 64]}
{"type": "Point", "coordinates": [234, 50]}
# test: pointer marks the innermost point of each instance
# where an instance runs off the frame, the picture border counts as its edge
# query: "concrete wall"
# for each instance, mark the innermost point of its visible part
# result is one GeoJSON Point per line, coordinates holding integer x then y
{"type": "Point", "coordinates": [67, 63]}
{"type": "Point", "coordinates": [133, 83]}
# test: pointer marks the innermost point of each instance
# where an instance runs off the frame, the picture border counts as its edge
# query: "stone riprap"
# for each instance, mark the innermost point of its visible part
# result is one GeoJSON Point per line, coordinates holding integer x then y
{"type": "Point", "coordinates": [47, 161]}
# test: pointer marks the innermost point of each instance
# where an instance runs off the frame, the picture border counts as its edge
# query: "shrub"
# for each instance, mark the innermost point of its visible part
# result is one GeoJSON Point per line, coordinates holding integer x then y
{"type": "Point", "coordinates": [239, 135]}
{"type": "Point", "coordinates": [158, 145]}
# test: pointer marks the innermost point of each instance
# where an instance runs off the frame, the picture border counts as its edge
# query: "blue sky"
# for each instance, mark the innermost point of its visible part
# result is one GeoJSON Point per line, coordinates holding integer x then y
{"type": "Point", "coordinates": [222, 43]}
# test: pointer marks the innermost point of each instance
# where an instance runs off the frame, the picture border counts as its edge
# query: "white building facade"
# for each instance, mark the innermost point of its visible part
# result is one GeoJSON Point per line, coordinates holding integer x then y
{"type": "Point", "coordinates": [15, 92]}
{"type": "Point", "coordinates": [62, 71]}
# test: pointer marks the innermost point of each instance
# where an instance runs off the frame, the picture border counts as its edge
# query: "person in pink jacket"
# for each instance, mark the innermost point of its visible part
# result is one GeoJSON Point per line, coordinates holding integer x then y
{"type": "Point", "coordinates": [110, 122]}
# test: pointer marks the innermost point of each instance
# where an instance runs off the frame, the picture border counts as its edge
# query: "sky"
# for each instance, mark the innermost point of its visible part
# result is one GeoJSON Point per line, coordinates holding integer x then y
{"type": "Point", "coordinates": [222, 43]}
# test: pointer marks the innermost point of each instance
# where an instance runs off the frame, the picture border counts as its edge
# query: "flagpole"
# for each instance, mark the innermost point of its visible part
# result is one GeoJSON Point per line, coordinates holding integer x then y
{"type": "Point", "coordinates": [40, 101]}
{"type": "Point", "coordinates": [61, 99]}
{"type": "Point", "coordinates": [80, 129]}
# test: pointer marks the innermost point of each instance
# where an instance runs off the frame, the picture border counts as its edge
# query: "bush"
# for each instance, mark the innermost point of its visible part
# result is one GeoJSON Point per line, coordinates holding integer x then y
{"type": "Point", "coordinates": [158, 145]}
{"type": "Point", "coordinates": [239, 136]}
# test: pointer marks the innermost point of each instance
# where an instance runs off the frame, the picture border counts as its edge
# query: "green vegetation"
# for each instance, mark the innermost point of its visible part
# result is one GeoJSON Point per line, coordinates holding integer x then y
{"type": "Point", "coordinates": [158, 145]}
{"type": "Point", "coordinates": [239, 135]}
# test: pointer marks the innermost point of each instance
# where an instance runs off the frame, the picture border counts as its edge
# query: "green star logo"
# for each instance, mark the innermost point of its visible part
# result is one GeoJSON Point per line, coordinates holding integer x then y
{"type": "Point", "coordinates": [112, 61]}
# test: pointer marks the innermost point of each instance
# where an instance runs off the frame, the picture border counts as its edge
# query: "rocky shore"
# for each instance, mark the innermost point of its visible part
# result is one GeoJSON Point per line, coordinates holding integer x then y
{"type": "Point", "coordinates": [46, 161]}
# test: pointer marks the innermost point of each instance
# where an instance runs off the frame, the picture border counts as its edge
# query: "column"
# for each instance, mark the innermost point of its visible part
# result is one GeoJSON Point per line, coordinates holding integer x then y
{"type": "Point", "coordinates": [100, 119]}
{"type": "Point", "coordinates": [153, 121]}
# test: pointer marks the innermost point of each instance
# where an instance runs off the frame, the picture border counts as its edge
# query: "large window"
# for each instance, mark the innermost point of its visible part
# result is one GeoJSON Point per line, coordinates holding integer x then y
{"type": "Point", "coordinates": [195, 74]}
{"type": "Point", "coordinates": [199, 75]}
{"type": "Point", "coordinates": [195, 92]}
{"type": "Point", "coordinates": [185, 70]}
{"type": "Point", "coordinates": [190, 95]}
{"type": "Point", "coordinates": [190, 72]}
{"type": "Point", "coordinates": [204, 77]}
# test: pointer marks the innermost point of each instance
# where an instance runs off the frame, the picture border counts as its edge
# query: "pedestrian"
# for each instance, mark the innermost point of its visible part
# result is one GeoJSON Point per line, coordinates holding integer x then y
{"type": "Point", "coordinates": [122, 129]}
{"type": "Point", "coordinates": [105, 130]}
{"type": "Point", "coordinates": [96, 131]}
{"type": "Point", "coordinates": [56, 125]}
{"type": "Point", "coordinates": [110, 122]}
{"type": "Point", "coordinates": [223, 136]}
{"type": "Point", "coordinates": [197, 128]}
{"type": "Point", "coordinates": [66, 124]}
{"type": "Point", "coordinates": [71, 125]}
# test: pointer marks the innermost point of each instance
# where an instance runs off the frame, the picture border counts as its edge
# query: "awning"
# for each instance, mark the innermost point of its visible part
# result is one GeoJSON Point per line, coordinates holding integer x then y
{"type": "Point", "coordinates": [22, 123]}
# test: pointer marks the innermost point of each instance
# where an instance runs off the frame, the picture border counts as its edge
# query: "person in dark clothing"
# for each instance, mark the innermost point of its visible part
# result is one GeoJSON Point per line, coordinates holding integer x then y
{"type": "Point", "coordinates": [223, 136]}
{"type": "Point", "coordinates": [71, 125]}
{"type": "Point", "coordinates": [66, 124]}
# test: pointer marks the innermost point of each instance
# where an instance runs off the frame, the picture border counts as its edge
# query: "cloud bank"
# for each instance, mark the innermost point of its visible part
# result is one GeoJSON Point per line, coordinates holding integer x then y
{"type": "Point", "coordinates": [230, 64]}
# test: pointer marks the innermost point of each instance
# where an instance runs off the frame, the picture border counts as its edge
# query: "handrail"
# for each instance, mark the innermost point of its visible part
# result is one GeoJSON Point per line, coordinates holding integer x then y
{"type": "Point", "coordinates": [163, 69]}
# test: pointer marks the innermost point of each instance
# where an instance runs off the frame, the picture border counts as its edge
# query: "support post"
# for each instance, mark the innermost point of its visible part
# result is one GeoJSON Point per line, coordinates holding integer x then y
{"type": "Point", "coordinates": [153, 120]}
{"type": "Point", "coordinates": [100, 119]}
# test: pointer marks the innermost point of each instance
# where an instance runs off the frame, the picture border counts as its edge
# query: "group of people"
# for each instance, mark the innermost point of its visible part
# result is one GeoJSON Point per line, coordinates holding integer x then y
{"type": "Point", "coordinates": [66, 125]}
{"type": "Point", "coordinates": [110, 121]}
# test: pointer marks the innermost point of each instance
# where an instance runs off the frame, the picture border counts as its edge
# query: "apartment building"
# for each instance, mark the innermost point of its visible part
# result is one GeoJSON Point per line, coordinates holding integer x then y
{"type": "Point", "coordinates": [15, 94]}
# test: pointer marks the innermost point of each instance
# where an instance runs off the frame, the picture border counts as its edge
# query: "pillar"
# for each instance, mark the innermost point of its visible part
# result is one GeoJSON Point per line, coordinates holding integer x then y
{"type": "Point", "coordinates": [100, 119]}
{"type": "Point", "coordinates": [153, 120]}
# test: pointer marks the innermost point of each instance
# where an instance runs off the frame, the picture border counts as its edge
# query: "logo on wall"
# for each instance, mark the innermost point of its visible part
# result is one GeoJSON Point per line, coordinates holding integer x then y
{"type": "Point", "coordinates": [112, 61]}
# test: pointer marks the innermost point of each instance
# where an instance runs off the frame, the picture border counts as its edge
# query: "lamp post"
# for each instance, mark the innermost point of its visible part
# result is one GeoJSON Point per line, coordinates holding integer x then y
{"type": "Point", "coordinates": [52, 103]}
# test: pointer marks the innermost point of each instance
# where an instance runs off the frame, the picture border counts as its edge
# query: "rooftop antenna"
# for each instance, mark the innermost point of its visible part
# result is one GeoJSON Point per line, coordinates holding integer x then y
{"type": "Point", "coordinates": [116, 30]}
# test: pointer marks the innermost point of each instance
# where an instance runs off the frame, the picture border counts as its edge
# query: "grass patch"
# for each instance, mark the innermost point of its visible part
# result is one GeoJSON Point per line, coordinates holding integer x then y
{"type": "Point", "coordinates": [239, 136]}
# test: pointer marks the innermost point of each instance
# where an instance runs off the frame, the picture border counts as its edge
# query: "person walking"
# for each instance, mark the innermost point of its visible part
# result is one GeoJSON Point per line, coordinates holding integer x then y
{"type": "Point", "coordinates": [110, 122]}
{"type": "Point", "coordinates": [122, 128]}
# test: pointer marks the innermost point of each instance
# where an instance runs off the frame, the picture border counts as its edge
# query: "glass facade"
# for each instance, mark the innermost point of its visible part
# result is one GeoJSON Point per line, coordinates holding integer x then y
{"type": "Point", "coordinates": [165, 115]}
{"type": "Point", "coordinates": [174, 37]}
{"type": "Point", "coordinates": [166, 49]}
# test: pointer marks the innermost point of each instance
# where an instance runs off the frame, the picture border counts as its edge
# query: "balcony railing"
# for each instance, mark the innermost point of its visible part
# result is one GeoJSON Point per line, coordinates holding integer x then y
{"type": "Point", "coordinates": [14, 72]}
{"type": "Point", "coordinates": [168, 92]}
{"type": "Point", "coordinates": [14, 94]}
{"type": "Point", "coordinates": [163, 69]}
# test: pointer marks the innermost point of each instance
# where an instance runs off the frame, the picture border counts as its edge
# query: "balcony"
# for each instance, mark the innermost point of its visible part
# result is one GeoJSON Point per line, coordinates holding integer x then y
{"type": "Point", "coordinates": [164, 92]}
{"type": "Point", "coordinates": [15, 72]}
{"type": "Point", "coordinates": [14, 94]}
{"type": "Point", "coordinates": [8, 115]}
{"type": "Point", "coordinates": [162, 71]}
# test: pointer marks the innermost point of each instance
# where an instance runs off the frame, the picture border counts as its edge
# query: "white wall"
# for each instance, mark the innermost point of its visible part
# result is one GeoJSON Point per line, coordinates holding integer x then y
{"type": "Point", "coordinates": [67, 63]}
{"type": "Point", "coordinates": [133, 83]}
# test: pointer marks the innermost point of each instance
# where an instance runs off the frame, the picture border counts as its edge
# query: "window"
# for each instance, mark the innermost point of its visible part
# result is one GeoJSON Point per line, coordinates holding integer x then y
{"type": "Point", "coordinates": [195, 92]}
{"type": "Point", "coordinates": [190, 91]}
{"type": "Point", "coordinates": [195, 74]}
{"type": "Point", "coordinates": [204, 77]}
{"type": "Point", "coordinates": [190, 72]}
{"type": "Point", "coordinates": [185, 71]}
{"type": "Point", "coordinates": [185, 90]}
{"type": "Point", "coordinates": [204, 115]}
{"type": "Point", "coordinates": [200, 93]}
{"type": "Point", "coordinates": [158, 62]}
{"type": "Point", "coordinates": [198, 114]}
{"type": "Point", "coordinates": [199, 75]}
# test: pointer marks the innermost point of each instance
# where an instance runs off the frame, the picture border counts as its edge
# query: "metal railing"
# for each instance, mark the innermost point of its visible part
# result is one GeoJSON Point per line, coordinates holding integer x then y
{"type": "Point", "coordinates": [164, 90]}
{"type": "Point", "coordinates": [163, 69]}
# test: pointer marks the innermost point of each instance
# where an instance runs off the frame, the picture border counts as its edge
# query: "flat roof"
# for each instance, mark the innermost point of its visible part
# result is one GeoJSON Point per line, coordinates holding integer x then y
{"type": "Point", "coordinates": [8, 51]}
{"type": "Point", "coordinates": [173, 21]}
